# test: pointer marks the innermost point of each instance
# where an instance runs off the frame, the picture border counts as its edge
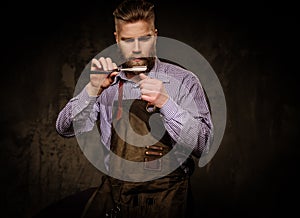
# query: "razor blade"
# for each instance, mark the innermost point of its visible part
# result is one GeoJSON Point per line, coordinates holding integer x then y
{"type": "Point", "coordinates": [131, 69]}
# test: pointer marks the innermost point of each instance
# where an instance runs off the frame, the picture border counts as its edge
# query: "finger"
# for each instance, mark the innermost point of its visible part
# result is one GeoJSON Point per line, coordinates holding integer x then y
{"type": "Point", "coordinates": [95, 63]}
{"type": "Point", "coordinates": [143, 76]}
{"type": "Point", "coordinates": [155, 147]}
{"type": "Point", "coordinates": [109, 64]}
{"type": "Point", "coordinates": [147, 92]}
{"type": "Point", "coordinates": [113, 74]}
{"type": "Point", "coordinates": [142, 79]}
{"type": "Point", "coordinates": [148, 84]}
{"type": "Point", "coordinates": [147, 98]}
{"type": "Point", "coordinates": [115, 66]}
{"type": "Point", "coordinates": [103, 63]}
{"type": "Point", "coordinates": [154, 153]}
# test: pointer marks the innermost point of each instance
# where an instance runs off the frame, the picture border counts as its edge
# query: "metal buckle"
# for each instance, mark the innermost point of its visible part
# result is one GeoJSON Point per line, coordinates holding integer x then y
{"type": "Point", "coordinates": [150, 108]}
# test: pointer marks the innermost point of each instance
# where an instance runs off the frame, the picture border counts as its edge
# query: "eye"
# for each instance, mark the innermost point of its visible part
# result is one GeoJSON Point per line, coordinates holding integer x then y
{"type": "Point", "coordinates": [129, 40]}
{"type": "Point", "coordinates": [144, 38]}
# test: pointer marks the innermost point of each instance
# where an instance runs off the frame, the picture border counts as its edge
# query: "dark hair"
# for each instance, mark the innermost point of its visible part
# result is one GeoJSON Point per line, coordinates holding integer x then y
{"type": "Point", "coordinates": [134, 10]}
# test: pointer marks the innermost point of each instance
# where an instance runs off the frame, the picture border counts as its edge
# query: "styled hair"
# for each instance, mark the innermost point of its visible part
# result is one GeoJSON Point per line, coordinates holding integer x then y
{"type": "Point", "coordinates": [134, 10]}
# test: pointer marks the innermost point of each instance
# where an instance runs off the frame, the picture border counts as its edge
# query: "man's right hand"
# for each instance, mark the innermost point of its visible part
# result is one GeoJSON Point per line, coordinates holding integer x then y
{"type": "Point", "coordinates": [99, 82]}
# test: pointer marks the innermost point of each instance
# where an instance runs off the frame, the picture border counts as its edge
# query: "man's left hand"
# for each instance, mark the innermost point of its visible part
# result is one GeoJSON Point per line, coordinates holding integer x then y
{"type": "Point", "coordinates": [153, 91]}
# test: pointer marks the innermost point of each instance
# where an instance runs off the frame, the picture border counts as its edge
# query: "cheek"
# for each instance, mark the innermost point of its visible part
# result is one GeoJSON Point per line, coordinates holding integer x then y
{"type": "Point", "coordinates": [126, 50]}
{"type": "Point", "coordinates": [147, 48]}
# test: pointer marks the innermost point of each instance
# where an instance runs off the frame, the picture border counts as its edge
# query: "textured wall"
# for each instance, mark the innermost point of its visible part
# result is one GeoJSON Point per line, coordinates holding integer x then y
{"type": "Point", "coordinates": [249, 47]}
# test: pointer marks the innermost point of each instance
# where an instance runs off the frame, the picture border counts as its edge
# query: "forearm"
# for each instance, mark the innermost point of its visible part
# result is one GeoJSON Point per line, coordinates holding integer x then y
{"type": "Point", "coordinates": [64, 125]}
{"type": "Point", "coordinates": [80, 111]}
{"type": "Point", "coordinates": [193, 132]}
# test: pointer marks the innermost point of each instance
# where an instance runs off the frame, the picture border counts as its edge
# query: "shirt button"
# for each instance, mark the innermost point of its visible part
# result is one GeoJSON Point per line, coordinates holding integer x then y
{"type": "Point", "coordinates": [86, 102]}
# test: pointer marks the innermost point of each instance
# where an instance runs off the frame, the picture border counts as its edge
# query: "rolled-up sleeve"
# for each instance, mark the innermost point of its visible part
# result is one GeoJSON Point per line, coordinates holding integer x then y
{"type": "Point", "coordinates": [81, 110]}
{"type": "Point", "coordinates": [187, 119]}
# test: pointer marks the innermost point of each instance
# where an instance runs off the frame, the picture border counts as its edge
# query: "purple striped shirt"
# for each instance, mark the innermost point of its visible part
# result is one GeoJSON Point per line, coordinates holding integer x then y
{"type": "Point", "coordinates": [186, 114]}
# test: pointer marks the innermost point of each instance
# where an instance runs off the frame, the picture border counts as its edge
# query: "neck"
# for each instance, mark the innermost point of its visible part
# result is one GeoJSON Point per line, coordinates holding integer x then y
{"type": "Point", "coordinates": [134, 76]}
{"type": "Point", "coordinates": [130, 75]}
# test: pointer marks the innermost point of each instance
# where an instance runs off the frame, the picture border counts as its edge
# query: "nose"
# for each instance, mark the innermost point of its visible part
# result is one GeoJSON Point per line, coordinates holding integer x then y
{"type": "Point", "coordinates": [137, 47]}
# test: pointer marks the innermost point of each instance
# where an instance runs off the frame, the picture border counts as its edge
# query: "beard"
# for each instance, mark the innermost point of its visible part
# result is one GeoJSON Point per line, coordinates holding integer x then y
{"type": "Point", "coordinates": [143, 61]}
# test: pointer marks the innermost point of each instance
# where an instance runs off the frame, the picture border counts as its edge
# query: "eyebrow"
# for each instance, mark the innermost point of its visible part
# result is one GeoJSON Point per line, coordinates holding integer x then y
{"type": "Point", "coordinates": [125, 38]}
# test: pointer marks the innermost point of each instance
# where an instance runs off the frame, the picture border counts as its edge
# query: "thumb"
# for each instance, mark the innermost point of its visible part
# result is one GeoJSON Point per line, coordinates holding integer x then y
{"type": "Point", "coordinates": [143, 76]}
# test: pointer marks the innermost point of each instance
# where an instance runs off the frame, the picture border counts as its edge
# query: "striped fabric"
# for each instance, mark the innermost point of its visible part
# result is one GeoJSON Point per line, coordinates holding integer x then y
{"type": "Point", "coordinates": [186, 114]}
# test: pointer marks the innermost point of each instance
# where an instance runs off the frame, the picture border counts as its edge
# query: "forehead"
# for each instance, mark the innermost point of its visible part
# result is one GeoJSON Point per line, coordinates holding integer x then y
{"type": "Point", "coordinates": [136, 29]}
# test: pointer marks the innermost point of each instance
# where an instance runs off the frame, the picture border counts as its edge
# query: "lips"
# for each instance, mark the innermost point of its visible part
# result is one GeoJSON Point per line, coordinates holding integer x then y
{"type": "Point", "coordinates": [136, 59]}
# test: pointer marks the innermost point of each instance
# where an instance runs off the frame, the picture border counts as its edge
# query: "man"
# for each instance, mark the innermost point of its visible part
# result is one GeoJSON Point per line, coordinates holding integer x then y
{"type": "Point", "coordinates": [124, 103]}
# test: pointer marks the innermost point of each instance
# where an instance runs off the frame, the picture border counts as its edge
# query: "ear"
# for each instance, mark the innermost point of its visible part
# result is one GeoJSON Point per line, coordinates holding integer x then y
{"type": "Point", "coordinates": [116, 37]}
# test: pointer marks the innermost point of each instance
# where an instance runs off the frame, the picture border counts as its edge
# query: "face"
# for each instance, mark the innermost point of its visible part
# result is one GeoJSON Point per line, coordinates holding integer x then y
{"type": "Point", "coordinates": [137, 42]}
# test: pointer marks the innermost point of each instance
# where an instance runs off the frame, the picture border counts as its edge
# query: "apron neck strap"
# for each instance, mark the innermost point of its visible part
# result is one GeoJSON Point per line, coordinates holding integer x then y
{"type": "Point", "coordinates": [120, 98]}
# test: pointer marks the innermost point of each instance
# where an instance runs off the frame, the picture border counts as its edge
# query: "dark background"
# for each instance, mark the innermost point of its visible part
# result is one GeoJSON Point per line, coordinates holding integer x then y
{"type": "Point", "coordinates": [252, 47]}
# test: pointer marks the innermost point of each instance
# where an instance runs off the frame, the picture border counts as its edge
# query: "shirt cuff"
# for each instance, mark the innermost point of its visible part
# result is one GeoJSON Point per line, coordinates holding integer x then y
{"type": "Point", "coordinates": [169, 109]}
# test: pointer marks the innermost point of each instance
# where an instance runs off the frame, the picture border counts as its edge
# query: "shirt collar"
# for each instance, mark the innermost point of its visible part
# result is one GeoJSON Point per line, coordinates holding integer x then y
{"type": "Point", "coordinates": [158, 73]}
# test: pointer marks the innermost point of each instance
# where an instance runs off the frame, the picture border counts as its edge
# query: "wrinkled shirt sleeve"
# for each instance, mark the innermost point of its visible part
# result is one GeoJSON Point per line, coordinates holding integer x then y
{"type": "Point", "coordinates": [188, 120]}
{"type": "Point", "coordinates": [81, 110]}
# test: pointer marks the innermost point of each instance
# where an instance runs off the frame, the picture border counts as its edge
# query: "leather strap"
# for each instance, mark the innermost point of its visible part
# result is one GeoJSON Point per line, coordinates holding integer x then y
{"type": "Point", "coordinates": [120, 98]}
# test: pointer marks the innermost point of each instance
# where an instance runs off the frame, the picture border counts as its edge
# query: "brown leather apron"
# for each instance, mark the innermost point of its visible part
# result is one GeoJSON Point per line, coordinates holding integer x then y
{"type": "Point", "coordinates": [162, 197]}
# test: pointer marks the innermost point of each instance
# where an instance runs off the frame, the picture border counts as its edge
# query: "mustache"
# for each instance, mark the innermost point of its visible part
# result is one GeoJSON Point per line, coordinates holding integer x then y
{"type": "Point", "coordinates": [144, 61]}
{"type": "Point", "coordinates": [141, 58]}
